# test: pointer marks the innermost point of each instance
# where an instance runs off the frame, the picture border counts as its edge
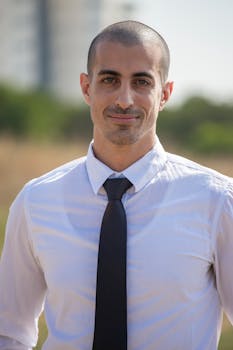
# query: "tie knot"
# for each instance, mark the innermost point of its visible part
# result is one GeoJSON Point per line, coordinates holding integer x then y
{"type": "Point", "coordinates": [115, 188]}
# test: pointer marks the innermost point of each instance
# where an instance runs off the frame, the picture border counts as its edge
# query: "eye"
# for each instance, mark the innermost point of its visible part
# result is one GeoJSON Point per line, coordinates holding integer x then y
{"type": "Point", "coordinates": [109, 80]}
{"type": "Point", "coordinates": [142, 82]}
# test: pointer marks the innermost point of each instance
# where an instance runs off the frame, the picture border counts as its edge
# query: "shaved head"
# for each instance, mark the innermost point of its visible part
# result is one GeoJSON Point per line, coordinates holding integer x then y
{"type": "Point", "coordinates": [130, 33]}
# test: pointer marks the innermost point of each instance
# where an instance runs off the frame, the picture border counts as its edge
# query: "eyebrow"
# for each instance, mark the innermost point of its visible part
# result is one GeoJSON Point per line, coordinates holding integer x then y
{"type": "Point", "coordinates": [115, 73]}
{"type": "Point", "coordinates": [109, 72]}
{"type": "Point", "coordinates": [143, 74]}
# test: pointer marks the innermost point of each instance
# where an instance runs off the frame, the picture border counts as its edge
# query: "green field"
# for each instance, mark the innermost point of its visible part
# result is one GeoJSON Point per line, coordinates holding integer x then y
{"type": "Point", "coordinates": [21, 161]}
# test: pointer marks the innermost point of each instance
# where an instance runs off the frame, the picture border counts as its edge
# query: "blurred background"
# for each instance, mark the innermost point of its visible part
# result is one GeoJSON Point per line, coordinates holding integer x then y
{"type": "Point", "coordinates": [43, 119]}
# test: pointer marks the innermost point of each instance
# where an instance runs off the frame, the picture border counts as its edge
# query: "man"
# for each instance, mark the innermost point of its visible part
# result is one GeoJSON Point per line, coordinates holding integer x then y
{"type": "Point", "coordinates": [179, 221]}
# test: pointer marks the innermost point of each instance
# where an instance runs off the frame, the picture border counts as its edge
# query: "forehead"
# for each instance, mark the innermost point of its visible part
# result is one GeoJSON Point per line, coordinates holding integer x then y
{"type": "Point", "coordinates": [127, 58]}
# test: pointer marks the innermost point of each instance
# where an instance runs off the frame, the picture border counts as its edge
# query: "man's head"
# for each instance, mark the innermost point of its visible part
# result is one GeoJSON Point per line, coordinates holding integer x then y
{"type": "Point", "coordinates": [126, 86]}
{"type": "Point", "coordinates": [131, 33]}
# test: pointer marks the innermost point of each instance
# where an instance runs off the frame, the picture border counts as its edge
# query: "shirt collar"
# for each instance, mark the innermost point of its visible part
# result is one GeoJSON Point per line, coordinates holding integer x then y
{"type": "Point", "coordinates": [139, 173]}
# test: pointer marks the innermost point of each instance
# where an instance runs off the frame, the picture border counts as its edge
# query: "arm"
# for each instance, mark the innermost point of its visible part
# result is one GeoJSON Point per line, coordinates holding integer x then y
{"type": "Point", "coordinates": [9, 344]}
{"type": "Point", "coordinates": [224, 255]}
{"type": "Point", "coordinates": [22, 285]}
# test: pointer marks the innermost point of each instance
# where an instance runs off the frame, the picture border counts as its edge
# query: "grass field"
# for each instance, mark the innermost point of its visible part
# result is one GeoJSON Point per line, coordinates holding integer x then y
{"type": "Point", "coordinates": [21, 161]}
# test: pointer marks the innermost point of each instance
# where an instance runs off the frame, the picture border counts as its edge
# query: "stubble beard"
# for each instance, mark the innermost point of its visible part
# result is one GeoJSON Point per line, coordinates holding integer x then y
{"type": "Point", "coordinates": [123, 136]}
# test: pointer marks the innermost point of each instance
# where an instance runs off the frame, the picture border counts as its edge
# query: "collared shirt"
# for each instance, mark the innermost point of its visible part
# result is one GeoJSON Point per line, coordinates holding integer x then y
{"type": "Point", "coordinates": [179, 255]}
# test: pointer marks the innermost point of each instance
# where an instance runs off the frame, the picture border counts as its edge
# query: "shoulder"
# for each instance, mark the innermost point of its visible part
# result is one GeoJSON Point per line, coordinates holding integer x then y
{"type": "Point", "coordinates": [52, 183]}
{"type": "Point", "coordinates": [196, 174]}
{"type": "Point", "coordinates": [60, 173]}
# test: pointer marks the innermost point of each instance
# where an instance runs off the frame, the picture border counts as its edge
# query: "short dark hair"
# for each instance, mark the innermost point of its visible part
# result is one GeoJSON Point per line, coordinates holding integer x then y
{"type": "Point", "coordinates": [131, 33]}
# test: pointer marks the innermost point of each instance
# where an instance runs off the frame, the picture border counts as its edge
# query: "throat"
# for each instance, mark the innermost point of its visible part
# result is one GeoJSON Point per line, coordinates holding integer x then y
{"type": "Point", "coordinates": [118, 157]}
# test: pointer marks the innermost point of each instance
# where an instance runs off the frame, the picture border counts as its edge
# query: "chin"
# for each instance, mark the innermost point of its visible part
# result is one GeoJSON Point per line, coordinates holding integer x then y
{"type": "Point", "coordinates": [122, 140]}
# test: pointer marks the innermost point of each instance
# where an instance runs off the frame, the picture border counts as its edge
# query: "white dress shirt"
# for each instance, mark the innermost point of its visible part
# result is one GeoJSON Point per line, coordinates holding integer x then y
{"type": "Point", "coordinates": [179, 262]}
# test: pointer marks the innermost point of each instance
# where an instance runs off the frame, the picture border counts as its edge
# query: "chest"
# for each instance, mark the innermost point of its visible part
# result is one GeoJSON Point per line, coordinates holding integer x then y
{"type": "Point", "coordinates": [168, 247]}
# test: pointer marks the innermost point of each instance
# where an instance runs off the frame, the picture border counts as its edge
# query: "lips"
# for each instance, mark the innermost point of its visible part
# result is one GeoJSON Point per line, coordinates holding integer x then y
{"type": "Point", "coordinates": [123, 119]}
{"type": "Point", "coordinates": [123, 116]}
{"type": "Point", "coordinates": [118, 114]}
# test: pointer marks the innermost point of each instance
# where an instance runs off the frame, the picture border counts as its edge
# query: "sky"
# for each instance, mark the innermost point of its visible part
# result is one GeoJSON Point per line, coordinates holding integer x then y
{"type": "Point", "coordinates": [199, 34]}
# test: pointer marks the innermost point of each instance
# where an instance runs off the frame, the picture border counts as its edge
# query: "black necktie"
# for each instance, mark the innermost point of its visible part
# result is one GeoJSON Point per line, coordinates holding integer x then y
{"type": "Point", "coordinates": [111, 298]}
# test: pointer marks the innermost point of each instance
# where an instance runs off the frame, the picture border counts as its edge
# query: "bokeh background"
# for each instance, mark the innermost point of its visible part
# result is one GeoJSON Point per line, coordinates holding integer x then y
{"type": "Point", "coordinates": [43, 119]}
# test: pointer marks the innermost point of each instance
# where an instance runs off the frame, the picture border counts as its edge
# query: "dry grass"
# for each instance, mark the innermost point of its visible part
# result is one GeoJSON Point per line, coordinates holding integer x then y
{"type": "Point", "coordinates": [21, 161]}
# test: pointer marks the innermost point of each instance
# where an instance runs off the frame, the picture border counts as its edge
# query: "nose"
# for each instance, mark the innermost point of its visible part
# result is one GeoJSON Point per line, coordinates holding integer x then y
{"type": "Point", "coordinates": [124, 96]}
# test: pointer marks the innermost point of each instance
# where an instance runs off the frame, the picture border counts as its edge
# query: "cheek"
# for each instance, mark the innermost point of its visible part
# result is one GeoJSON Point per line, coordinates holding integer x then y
{"type": "Point", "coordinates": [97, 106]}
{"type": "Point", "coordinates": [152, 104]}
{"type": "Point", "coordinates": [99, 98]}
{"type": "Point", "coordinates": [152, 110]}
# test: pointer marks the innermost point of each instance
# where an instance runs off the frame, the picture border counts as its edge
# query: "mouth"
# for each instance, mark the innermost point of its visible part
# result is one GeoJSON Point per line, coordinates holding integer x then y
{"type": "Point", "coordinates": [123, 118]}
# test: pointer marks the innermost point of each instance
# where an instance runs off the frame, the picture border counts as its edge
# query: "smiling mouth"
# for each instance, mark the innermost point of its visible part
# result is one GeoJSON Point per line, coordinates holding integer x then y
{"type": "Point", "coordinates": [123, 118]}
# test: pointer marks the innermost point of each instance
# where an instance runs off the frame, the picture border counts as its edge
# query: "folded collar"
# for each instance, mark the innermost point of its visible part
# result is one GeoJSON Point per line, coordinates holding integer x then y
{"type": "Point", "coordinates": [139, 173]}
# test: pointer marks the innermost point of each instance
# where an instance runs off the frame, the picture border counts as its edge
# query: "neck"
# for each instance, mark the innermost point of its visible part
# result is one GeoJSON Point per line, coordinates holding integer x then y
{"type": "Point", "coordinates": [120, 157]}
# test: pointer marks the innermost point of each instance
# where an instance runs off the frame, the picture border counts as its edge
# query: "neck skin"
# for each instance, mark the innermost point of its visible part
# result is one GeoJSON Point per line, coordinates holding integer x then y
{"type": "Point", "coordinates": [120, 157]}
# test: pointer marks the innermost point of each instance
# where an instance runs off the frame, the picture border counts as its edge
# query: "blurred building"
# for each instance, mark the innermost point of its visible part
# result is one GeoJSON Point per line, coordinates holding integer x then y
{"type": "Point", "coordinates": [44, 43]}
{"type": "Point", "coordinates": [19, 42]}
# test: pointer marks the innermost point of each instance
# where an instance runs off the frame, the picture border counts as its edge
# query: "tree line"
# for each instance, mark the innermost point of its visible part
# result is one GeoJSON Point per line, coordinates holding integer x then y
{"type": "Point", "coordinates": [198, 124]}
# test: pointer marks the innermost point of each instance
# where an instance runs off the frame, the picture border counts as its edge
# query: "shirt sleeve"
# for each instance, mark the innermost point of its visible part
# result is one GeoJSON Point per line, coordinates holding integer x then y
{"type": "Point", "coordinates": [22, 284]}
{"type": "Point", "coordinates": [10, 344]}
{"type": "Point", "coordinates": [224, 254]}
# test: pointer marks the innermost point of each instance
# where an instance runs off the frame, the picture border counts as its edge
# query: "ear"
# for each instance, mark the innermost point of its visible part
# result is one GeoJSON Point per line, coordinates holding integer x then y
{"type": "Point", "coordinates": [85, 86]}
{"type": "Point", "coordinates": [166, 93]}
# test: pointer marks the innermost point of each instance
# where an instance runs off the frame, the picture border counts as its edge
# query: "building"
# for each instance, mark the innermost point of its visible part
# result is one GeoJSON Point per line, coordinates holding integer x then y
{"type": "Point", "coordinates": [19, 42]}
{"type": "Point", "coordinates": [44, 43]}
